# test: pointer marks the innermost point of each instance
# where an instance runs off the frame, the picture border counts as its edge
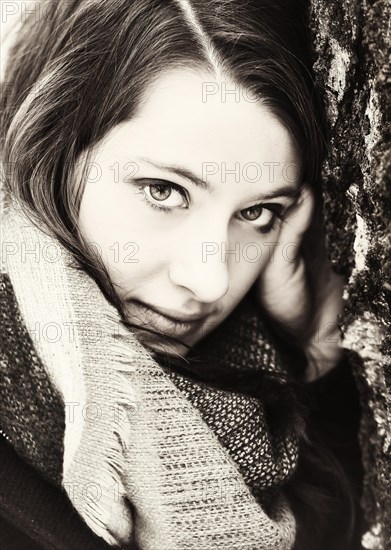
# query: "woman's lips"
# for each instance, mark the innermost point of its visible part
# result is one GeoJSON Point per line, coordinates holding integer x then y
{"type": "Point", "coordinates": [160, 322]}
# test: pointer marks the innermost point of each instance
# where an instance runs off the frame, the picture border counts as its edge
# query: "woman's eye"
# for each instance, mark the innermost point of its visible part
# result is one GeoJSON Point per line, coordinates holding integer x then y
{"type": "Point", "coordinates": [164, 195]}
{"type": "Point", "coordinates": [264, 216]}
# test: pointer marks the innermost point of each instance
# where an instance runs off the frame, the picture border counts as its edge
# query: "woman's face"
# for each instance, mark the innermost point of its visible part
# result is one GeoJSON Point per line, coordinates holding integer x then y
{"type": "Point", "coordinates": [183, 203]}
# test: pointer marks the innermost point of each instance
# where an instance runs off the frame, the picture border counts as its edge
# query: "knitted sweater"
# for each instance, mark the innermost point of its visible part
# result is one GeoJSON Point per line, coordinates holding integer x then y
{"type": "Point", "coordinates": [35, 514]}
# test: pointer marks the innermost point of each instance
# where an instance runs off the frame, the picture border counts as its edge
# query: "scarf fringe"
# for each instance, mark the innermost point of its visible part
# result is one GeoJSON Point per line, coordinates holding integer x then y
{"type": "Point", "coordinates": [109, 515]}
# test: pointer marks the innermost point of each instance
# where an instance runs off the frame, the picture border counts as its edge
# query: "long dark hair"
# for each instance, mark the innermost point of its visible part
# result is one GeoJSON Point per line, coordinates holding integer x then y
{"type": "Point", "coordinates": [79, 68]}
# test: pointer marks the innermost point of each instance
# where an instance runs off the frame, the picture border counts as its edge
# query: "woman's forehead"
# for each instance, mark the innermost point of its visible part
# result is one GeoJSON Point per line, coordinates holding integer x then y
{"type": "Point", "coordinates": [196, 103]}
{"type": "Point", "coordinates": [217, 135]}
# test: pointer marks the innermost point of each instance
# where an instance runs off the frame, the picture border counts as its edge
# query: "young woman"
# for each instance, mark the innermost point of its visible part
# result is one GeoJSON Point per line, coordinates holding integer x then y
{"type": "Point", "coordinates": [173, 151]}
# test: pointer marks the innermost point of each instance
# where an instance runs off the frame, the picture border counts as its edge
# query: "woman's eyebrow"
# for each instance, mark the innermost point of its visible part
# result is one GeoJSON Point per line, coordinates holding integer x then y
{"type": "Point", "coordinates": [179, 171]}
{"type": "Point", "coordinates": [282, 191]}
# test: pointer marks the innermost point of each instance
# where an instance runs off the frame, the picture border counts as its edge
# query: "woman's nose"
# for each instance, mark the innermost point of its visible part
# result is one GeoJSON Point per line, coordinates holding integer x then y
{"type": "Point", "coordinates": [202, 268]}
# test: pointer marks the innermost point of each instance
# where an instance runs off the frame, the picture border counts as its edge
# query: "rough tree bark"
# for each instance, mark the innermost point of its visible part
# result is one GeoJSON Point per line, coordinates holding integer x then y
{"type": "Point", "coordinates": [352, 68]}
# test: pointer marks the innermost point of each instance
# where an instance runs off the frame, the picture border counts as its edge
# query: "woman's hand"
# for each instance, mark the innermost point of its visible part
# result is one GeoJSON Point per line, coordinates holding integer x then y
{"type": "Point", "coordinates": [304, 295]}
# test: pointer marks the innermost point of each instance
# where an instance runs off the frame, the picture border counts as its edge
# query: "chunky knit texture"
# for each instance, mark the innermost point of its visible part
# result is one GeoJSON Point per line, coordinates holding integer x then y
{"type": "Point", "coordinates": [265, 454]}
{"type": "Point", "coordinates": [145, 452]}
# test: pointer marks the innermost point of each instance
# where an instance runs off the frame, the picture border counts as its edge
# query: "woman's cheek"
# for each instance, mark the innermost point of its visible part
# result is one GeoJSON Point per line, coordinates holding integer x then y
{"type": "Point", "coordinates": [136, 255]}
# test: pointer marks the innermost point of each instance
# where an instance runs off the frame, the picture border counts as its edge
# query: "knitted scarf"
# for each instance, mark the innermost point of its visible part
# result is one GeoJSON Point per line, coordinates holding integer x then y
{"type": "Point", "coordinates": [145, 450]}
